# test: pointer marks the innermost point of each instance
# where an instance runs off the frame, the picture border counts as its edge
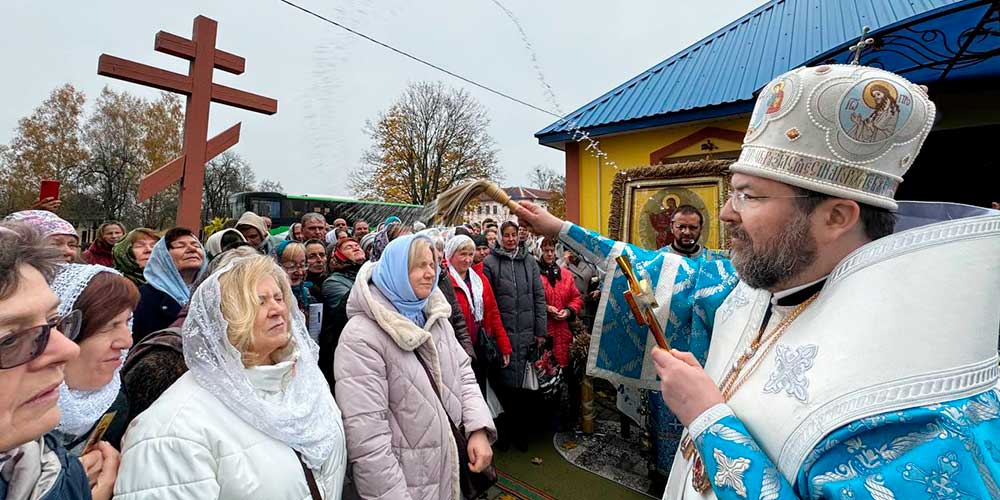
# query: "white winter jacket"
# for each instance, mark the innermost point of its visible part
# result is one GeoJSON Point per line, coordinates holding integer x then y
{"type": "Point", "coordinates": [188, 445]}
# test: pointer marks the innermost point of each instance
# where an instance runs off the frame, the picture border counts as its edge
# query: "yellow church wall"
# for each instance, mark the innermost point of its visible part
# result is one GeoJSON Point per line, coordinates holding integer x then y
{"type": "Point", "coordinates": [632, 150]}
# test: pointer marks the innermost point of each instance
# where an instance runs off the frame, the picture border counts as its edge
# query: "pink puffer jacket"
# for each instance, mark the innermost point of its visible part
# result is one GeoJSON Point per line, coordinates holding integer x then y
{"type": "Point", "coordinates": [399, 440]}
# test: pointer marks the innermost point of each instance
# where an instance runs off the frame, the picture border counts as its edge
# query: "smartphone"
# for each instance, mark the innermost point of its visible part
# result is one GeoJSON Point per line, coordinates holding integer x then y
{"type": "Point", "coordinates": [50, 189]}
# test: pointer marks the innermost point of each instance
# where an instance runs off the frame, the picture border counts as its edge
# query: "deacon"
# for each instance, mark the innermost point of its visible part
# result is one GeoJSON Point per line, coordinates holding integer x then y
{"type": "Point", "coordinates": [685, 225]}
{"type": "Point", "coordinates": [856, 355]}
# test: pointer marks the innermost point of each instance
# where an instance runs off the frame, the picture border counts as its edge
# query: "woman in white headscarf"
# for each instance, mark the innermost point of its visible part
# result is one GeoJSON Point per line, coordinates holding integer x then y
{"type": "Point", "coordinates": [92, 391]}
{"type": "Point", "coordinates": [479, 306]}
{"type": "Point", "coordinates": [253, 417]}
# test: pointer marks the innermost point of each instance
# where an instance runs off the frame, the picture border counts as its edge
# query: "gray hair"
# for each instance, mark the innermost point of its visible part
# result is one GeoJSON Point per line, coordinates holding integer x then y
{"type": "Point", "coordinates": [313, 215]}
{"type": "Point", "coordinates": [21, 244]}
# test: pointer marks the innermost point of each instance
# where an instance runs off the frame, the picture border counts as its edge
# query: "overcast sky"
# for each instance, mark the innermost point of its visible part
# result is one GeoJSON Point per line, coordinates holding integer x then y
{"type": "Point", "coordinates": [329, 82]}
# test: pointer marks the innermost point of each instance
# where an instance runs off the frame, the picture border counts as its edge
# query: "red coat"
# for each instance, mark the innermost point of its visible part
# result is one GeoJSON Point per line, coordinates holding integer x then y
{"type": "Point", "coordinates": [564, 295]}
{"type": "Point", "coordinates": [491, 314]}
{"type": "Point", "coordinates": [99, 253]}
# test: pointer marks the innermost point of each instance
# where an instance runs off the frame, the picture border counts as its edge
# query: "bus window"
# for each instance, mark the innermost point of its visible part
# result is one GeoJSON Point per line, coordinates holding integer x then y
{"type": "Point", "coordinates": [298, 208]}
{"type": "Point", "coordinates": [266, 208]}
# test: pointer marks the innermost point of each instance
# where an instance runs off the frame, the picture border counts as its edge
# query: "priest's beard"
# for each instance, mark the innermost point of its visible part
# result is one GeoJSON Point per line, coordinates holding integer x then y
{"type": "Point", "coordinates": [766, 264]}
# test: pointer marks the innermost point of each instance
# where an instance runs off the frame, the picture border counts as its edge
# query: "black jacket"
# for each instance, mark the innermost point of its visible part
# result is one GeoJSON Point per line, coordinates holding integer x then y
{"type": "Point", "coordinates": [156, 311]}
{"type": "Point", "coordinates": [336, 289]}
{"type": "Point", "coordinates": [520, 296]}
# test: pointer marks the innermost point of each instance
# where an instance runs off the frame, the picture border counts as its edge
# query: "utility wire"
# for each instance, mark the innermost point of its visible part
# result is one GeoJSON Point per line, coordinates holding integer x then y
{"type": "Point", "coordinates": [419, 60]}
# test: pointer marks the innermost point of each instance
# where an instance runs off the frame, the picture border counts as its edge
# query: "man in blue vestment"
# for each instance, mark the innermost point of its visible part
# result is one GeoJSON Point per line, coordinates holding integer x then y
{"type": "Point", "coordinates": [686, 225]}
{"type": "Point", "coordinates": [855, 355]}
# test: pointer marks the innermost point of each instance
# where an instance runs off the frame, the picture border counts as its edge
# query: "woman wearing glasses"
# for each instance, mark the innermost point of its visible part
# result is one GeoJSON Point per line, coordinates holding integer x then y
{"type": "Point", "coordinates": [91, 400]}
{"type": "Point", "coordinates": [33, 356]}
{"type": "Point", "coordinates": [175, 264]}
{"type": "Point", "coordinates": [291, 256]}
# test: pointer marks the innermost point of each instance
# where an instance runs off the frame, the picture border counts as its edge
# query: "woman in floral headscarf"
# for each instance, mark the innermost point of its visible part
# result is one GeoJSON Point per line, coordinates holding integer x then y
{"type": "Point", "coordinates": [54, 229]}
{"type": "Point", "coordinates": [132, 253]}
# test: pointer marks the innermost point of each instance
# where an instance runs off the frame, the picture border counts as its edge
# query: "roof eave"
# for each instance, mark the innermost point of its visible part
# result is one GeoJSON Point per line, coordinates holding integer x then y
{"type": "Point", "coordinates": [558, 140]}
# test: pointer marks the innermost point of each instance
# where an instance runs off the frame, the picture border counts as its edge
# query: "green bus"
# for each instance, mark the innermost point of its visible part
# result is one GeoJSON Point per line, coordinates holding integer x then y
{"type": "Point", "coordinates": [286, 209]}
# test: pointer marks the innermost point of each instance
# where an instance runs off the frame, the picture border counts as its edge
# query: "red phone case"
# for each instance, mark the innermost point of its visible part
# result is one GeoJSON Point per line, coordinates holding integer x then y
{"type": "Point", "coordinates": [49, 189]}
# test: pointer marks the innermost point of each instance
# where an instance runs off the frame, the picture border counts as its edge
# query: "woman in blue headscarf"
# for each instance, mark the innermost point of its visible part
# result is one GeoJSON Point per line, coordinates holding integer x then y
{"type": "Point", "coordinates": [403, 381]}
{"type": "Point", "coordinates": [177, 261]}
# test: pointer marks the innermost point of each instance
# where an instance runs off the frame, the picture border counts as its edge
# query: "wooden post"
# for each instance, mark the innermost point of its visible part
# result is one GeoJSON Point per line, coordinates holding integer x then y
{"type": "Point", "coordinates": [587, 405]}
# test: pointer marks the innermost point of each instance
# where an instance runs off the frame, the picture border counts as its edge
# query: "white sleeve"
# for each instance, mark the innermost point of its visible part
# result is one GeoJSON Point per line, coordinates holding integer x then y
{"type": "Point", "coordinates": [166, 468]}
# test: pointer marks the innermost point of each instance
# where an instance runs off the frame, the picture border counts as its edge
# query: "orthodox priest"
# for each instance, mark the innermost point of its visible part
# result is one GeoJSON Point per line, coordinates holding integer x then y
{"type": "Point", "coordinates": [856, 354]}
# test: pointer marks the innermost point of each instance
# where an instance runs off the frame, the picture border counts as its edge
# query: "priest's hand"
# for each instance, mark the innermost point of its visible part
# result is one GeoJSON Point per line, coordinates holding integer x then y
{"type": "Point", "coordinates": [686, 389]}
{"type": "Point", "coordinates": [538, 220]}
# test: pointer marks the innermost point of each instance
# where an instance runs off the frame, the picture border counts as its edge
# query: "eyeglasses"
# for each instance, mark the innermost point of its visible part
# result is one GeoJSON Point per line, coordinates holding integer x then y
{"type": "Point", "coordinates": [739, 199]}
{"type": "Point", "coordinates": [292, 266]}
{"type": "Point", "coordinates": [21, 347]}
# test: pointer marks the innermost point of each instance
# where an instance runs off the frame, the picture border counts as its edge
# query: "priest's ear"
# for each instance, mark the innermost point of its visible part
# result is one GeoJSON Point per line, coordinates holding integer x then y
{"type": "Point", "coordinates": [836, 218]}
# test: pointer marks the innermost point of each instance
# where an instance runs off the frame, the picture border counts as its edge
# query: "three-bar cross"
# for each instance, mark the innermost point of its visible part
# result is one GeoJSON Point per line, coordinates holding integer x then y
{"type": "Point", "coordinates": [197, 85]}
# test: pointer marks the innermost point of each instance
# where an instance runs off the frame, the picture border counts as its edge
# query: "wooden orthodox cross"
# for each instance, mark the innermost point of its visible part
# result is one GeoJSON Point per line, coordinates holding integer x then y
{"type": "Point", "coordinates": [197, 85]}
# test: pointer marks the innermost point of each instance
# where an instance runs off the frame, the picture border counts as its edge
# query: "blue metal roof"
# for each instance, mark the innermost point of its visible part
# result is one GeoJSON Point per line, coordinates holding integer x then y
{"type": "Point", "coordinates": [718, 75]}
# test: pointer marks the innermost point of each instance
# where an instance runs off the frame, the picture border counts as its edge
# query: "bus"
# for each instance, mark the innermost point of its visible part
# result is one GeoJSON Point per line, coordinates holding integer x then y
{"type": "Point", "coordinates": [286, 209]}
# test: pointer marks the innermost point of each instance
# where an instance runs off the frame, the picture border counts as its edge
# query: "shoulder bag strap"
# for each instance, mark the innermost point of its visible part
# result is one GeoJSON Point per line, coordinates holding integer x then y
{"type": "Point", "coordinates": [310, 479]}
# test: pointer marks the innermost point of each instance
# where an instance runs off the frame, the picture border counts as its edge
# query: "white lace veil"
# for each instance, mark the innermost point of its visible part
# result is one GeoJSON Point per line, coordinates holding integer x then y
{"type": "Point", "coordinates": [80, 410]}
{"type": "Point", "coordinates": [301, 415]}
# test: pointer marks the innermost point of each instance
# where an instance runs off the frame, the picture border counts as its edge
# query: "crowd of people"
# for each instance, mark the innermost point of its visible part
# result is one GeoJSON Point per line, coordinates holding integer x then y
{"type": "Point", "coordinates": [326, 361]}
{"type": "Point", "coordinates": [840, 350]}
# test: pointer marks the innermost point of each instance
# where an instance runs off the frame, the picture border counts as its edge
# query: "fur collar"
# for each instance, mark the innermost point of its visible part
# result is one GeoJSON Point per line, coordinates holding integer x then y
{"type": "Point", "coordinates": [407, 335]}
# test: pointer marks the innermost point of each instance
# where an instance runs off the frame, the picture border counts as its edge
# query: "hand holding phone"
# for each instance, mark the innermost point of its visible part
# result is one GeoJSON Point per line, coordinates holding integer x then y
{"type": "Point", "coordinates": [49, 189]}
{"type": "Point", "coordinates": [48, 197]}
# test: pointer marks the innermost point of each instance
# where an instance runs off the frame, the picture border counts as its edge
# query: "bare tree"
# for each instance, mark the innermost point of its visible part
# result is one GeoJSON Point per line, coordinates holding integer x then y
{"type": "Point", "coordinates": [225, 175]}
{"type": "Point", "coordinates": [429, 140]}
{"type": "Point", "coordinates": [113, 135]}
{"type": "Point", "coordinates": [543, 177]}
{"type": "Point", "coordinates": [270, 186]}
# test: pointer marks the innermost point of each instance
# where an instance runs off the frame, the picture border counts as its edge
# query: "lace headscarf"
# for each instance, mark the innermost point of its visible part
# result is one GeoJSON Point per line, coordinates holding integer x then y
{"type": "Point", "coordinates": [301, 416]}
{"type": "Point", "coordinates": [80, 410]}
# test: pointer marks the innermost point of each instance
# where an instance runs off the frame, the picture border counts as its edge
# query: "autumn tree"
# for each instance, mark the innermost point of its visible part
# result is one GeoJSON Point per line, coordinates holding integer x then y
{"type": "Point", "coordinates": [47, 144]}
{"type": "Point", "coordinates": [432, 138]}
{"type": "Point", "coordinates": [99, 159]}
{"type": "Point", "coordinates": [225, 175]}
{"type": "Point", "coordinates": [162, 142]}
{"type": "Point", "coordinates": [549, 180]}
